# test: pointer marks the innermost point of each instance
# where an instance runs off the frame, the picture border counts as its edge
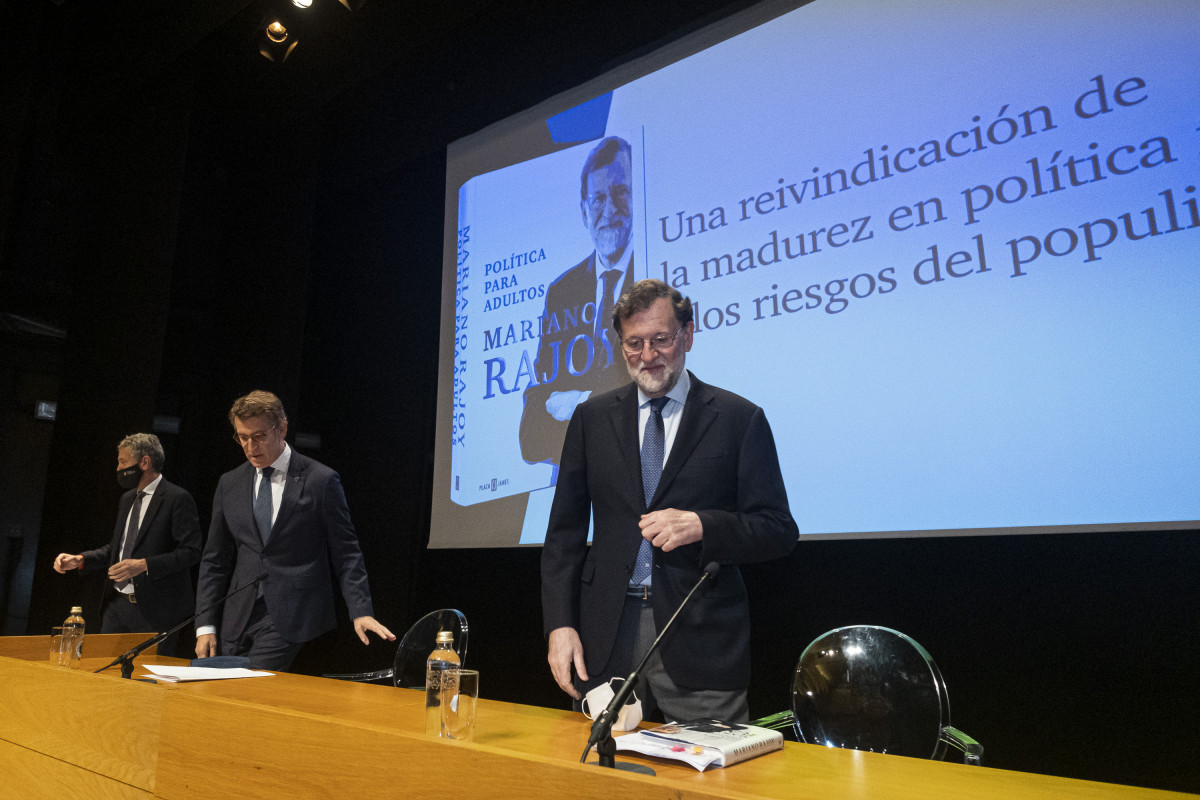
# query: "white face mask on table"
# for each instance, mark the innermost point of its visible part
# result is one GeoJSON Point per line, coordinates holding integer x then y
{"type": "Point", "coordinates": [595, 701]}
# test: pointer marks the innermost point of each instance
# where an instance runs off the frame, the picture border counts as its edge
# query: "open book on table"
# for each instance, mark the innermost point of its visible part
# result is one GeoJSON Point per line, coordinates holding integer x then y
{"type": "Point", "coordinates": [703, 743]}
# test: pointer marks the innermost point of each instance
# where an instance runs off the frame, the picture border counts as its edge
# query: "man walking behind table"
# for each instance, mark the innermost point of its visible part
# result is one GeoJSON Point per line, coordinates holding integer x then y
{"type": "Point", "coordinates": [154, 545]}
{"type": "Point", "coordinates": [281, 516]}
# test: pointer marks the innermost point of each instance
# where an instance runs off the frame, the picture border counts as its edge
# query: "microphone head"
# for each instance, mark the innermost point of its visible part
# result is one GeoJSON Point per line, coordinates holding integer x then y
{"type": "Point", "coordinates": [712, 569]}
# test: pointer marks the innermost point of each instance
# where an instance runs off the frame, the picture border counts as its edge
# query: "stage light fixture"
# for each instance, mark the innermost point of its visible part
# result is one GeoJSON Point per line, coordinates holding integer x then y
{"type": "Point", "coordinates": [275, 42]}
{"type": "Point", "coordinates": [286, 21]}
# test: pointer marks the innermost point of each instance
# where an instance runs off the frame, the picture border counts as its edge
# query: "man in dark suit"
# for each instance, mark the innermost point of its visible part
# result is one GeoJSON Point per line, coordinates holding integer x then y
{"type": "Point", "coordinates": [675, 474]}
{"type": "Point", "coordinates": [154, 545]}
{"type": "Point", "coordinates": [282, 516]}
{"type": "Point", "coordinates": [577, 354]}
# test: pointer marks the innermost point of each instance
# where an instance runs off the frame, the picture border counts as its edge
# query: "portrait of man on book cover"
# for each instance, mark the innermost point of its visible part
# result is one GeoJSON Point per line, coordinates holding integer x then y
{"type": "Point", "coordinates": [577, 352]}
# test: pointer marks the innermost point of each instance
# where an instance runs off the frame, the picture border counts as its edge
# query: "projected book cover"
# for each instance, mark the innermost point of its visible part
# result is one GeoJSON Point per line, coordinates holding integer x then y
{"type": "Point", "coordinates": [531, 339]}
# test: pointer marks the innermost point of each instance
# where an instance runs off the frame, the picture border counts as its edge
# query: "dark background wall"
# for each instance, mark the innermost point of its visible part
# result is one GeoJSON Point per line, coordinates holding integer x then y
{"type": "Point", "coordinates": [182, 221]}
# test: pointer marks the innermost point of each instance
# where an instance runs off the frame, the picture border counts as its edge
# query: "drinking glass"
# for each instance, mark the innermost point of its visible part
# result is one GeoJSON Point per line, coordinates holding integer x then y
{"type": "Point", "coordinates": [459, 702]}
{"type": "Point", "coordinates": [60, 648]}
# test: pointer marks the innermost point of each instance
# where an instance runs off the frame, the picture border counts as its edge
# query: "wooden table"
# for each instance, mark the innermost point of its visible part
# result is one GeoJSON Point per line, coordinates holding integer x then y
{"type": "Point", "coordinates": [72, 733]}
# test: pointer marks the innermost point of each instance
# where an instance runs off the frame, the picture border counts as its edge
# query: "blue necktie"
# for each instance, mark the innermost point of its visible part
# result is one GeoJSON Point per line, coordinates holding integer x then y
{"type": "Point", "coordinates": [654, 443]}
{"type": "Point", "coordinates": [262, 504]}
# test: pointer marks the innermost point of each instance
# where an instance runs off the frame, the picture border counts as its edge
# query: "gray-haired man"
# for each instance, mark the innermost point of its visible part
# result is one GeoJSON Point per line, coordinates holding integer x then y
{"type": "Point", "coordinates": [154, 545]}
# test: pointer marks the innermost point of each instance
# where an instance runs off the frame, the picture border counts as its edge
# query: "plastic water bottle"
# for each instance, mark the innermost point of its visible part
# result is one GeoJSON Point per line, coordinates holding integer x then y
{"type": "Point", "coordinates": [441, 659]}
{"type": "Point", "coordinates": [73, 630]}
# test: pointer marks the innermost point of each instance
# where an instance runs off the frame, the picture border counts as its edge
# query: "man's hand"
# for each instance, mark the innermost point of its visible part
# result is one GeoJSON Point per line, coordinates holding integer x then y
{"type": "Point", "coordinates": [561, 405]}
{"type": "Point", "coordinates": [669, 528]}
{"type": "Point", "coordinates": [206, 645]}
{"type": "Point", "coordinates": [566, 651]}
{"type": "Point", "coordinates": [364, 624]}
{"type": "Point", "coordinates": [65, 562]}
{"type": "Point", "coordinates": [127, 570]}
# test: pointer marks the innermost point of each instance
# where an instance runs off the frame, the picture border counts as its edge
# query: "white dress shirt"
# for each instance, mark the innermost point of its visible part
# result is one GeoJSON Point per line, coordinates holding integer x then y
{"type": "Point", "coordinates": [672, 412]}
{"type": "Point", "coordinates": [149, 492]}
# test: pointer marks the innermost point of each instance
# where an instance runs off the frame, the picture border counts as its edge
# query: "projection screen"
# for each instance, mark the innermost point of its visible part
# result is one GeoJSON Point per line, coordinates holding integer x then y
{"type": "Point", "coordinates": [950, 248]}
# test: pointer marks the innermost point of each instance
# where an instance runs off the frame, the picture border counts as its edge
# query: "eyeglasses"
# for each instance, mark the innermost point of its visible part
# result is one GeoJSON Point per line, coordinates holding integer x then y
{"type": "Point", "coordinates": [258, 438]}
{"type": "Point", "coordinates": [659, 342]}
{"type": "Point", "coordinates": [619, 195]}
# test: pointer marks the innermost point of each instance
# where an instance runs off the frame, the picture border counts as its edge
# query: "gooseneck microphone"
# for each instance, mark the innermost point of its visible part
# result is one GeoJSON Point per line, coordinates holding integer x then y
{"type": "Point", "coordinates": [601, 736]}
{"type": "Point", "coordinates": [126, 658]}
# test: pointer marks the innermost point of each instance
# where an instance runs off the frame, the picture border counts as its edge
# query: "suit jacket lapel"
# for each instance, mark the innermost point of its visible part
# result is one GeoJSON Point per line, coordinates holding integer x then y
{"type": "Point", "coordinates": [241, 507]}
{"type": "Point", "coordinates": [293, 487]}
{"type": "Point", "coordinates": [624, 418]}
{"type": "Point", "coordinates": [156, 501]}
{"type": "Point", "coordinates": [698, 415]}
{"type": "Point", "coordinates": [123, 507]}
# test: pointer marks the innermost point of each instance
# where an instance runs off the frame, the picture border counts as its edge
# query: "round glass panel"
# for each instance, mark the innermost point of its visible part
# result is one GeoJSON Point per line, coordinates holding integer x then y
{"type": "Point", "coordinates": [870, 688]}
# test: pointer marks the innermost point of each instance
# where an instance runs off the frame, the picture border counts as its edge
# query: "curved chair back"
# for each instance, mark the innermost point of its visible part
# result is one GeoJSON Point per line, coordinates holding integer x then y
{"type": "Point", "coordinates": [408, 670]}
{"type": "Point", "coordinates": [867, 687]}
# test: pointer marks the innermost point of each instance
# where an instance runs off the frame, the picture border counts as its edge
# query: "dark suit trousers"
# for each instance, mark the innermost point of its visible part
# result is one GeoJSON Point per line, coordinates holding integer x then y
{"type": "Point", "coordinates": [122, 616]}
{"type": "Point", "coordinates": [260, 642]}
{"type": "Point", "coordinates": [655, 689]}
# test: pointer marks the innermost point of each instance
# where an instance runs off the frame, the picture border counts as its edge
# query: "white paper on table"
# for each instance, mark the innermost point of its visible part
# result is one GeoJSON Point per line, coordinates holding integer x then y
{"type": "Point", "coordinates": [180, 674]}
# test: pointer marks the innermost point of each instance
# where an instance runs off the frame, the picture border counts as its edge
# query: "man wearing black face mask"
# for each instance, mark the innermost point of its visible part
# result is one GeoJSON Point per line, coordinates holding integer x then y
{"type": "Point", "coordinates": [154, 546]}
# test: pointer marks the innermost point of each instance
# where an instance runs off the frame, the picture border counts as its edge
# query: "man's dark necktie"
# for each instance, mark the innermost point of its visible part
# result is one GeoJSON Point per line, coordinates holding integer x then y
{"type": "Point", "coordinates": [611, 279]}
{"type": "Point", "coordinates": [654, 443]}
{"type": "Point", "coordinates": [262, 504]}
{"type": "Point", "coordinates": [131, 532]}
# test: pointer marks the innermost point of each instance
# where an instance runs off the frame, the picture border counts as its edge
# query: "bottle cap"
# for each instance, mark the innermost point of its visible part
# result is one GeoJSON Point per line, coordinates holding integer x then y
{"type": "Point", "coordinates": [445, 637]}
{"type": "Point", "coordinates": [76, 609]}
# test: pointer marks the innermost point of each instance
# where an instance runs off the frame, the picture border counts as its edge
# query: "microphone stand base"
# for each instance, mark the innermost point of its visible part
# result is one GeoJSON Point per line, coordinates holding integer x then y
{"type": "Point", "coordinates": [626, 766]}
{"type": "Point", "coordinates": [606, 751]}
